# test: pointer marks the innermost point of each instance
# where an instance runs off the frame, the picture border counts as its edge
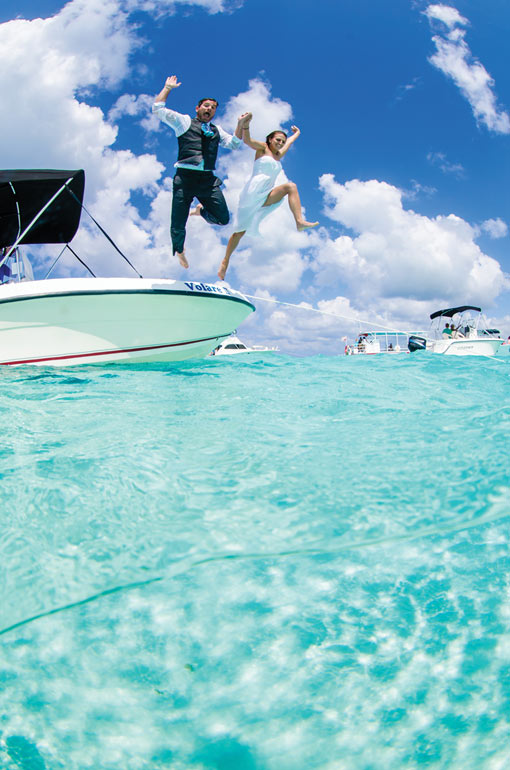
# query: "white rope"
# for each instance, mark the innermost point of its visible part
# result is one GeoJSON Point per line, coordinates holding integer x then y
{"type": "Point", "coordinates": [333, 315]}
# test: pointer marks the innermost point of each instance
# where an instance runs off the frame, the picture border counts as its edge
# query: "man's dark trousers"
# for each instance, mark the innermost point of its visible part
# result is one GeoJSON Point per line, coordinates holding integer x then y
{"type": "Point", "coordinates": [189, 184]}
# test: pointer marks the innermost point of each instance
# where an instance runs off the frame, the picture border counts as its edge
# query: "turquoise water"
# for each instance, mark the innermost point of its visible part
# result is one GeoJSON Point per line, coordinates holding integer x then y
{"type": "Point", "coordinates": [269, 564]}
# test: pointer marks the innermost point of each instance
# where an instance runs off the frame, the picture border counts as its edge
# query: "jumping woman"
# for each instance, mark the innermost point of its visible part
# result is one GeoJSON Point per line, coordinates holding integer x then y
{"type": "Point", "coordinates": [259, 196]}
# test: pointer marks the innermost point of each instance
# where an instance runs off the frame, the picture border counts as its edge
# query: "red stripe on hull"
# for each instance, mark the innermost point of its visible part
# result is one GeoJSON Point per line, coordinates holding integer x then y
{"type": "Point", "coordinates": [109, 352]}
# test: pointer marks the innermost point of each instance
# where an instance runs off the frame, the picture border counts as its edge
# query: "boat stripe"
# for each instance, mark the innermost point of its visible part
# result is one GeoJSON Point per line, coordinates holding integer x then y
{"type": "Point", "coordinates": [102, 292]}
{"type": "Point", "coordinates": [112, 352]}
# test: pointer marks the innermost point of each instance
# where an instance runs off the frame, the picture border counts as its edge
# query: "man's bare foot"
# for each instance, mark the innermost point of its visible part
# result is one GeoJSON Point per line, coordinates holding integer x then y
{"type": "Point", "coordinates": [305, 225]}
{"type": "Point", "coordinates": [182, 258]}
{"type": "Point", "coordinates": [196, 211]}
{"type": "Point", "coordinates": [223, 269]}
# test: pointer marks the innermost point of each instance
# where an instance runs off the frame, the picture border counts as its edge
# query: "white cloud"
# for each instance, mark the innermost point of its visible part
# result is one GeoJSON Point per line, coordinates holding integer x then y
{"type": "Point", "coordinates": [454, 58]}
{"type": "Point", "coordinates": [495, 228]}
{"type": "Point", "coordinates": [398, 253]}
{"type": "Point", "coordinates": [445, 13]}
{"type": "Point", "coordinates": [87, 44]}
{"type": "Point", "coordinates": [133, 106]}
{"type": "Point", "coordinates": [161, 7]}
{"type": "Point", "coordinates": [439, 159]}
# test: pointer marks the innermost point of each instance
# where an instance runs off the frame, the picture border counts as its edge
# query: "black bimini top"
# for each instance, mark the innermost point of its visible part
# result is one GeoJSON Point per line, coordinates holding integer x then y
{"type": "Point", "coordinates": [23, 193]}
{"type": "Point", "coordinates": [450, 312]}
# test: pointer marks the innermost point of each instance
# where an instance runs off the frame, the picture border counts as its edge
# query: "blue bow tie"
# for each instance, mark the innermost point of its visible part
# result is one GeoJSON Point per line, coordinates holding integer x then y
{"type": "Point", "coordinates": [206, 129]}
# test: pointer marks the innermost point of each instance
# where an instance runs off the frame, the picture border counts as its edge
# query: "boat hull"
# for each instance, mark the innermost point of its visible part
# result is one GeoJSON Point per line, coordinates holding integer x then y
{"type": "Point", "coordinates": [466, 347]}
{"type": "Point", "coordinates": [67, 322]}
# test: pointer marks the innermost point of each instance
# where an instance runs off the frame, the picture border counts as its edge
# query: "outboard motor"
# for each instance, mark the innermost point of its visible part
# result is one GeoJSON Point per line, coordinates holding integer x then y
{"type": "Point", "coordinates": [416, 343]}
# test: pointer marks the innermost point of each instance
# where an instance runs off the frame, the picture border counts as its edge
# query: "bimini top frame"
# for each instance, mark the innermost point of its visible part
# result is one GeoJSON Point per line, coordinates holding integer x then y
{"type": "Point", "coordinates": [43, 206]}
{"type": "Point", "coordinates": [33, 208]}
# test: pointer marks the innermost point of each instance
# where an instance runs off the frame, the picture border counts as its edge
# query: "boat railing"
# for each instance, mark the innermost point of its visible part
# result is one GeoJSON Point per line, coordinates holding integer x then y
{"type": "Point", "coordinates": [15, 267]}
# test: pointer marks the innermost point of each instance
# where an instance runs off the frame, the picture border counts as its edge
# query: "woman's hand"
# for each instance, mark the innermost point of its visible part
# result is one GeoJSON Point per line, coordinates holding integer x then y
{"type": "Point", "coordinates": [245, 118]}
{"type": "Point", "coordinates": [295, 130]}
{"type": "Point", "coordinates": [243, 125]}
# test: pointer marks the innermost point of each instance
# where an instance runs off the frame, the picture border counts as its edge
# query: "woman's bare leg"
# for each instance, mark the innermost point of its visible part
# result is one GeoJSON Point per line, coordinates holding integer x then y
{"type": "Point", "coordinates": [291, 190]}
{"type": "Point", "coordinates": [233, 243]}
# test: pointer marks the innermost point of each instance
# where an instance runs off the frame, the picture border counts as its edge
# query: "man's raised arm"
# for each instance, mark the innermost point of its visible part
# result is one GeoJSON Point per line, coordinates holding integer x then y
{"type": "Point", "coordinates": [170, 84]}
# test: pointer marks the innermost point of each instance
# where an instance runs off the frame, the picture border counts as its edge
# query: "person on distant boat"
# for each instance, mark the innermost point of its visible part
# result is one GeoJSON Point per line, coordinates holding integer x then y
{"type": "Point", "coordinates": [447, 332]}
{"type": "Point", "coordinates": [198, 140]}
{"type": "Point", "coordinates": [260, 196]}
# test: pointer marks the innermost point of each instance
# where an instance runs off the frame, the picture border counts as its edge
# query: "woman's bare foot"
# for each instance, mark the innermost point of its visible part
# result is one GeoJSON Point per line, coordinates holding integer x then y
{"type": "Point", "coordinates": [182, 258]}
{"type": "Point", "coordinates": [196, 211]}
{"type": "Point", "coordinates": [305, 225]}
{"type": "Point", "coordinates": [223, 269]}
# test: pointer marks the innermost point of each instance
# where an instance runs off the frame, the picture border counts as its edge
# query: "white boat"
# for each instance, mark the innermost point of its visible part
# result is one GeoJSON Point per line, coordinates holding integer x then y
{"type": "Point", "coordinates": [373, 342]}
{"type": "Point", "coordinates": [459, 331]}
{"type": "Point", "coordinates": [69, 321]}
{"type": "Point", "coordinates": [233, 346]}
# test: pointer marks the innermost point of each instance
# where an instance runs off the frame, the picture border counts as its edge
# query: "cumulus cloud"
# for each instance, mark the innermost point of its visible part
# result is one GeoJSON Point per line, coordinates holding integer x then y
{"type": "Point", "coordinates": [84, 47]}
{"type": "Point", "coordinates": [454, 58]}
{"type": "Point", "coordinates": [448, 15]}
{"type": "Point", "coordinates": [495, 228]}
{"type": "Point", "coordinates": [134, 106]}
{"type": "Point", "coordinates": [398, 253]}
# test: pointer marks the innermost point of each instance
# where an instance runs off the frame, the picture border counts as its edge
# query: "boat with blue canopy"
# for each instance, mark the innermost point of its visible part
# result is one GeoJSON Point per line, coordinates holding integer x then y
{"type": "Point", "coordinates": [459, 331]}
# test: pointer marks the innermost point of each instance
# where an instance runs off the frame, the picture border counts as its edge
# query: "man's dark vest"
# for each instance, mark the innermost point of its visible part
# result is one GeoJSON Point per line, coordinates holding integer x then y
{"type": "Point", "coordinates": [195, 146]}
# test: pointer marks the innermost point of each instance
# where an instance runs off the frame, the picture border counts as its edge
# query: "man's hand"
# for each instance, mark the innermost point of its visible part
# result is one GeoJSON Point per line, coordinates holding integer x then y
{"type": "Point", "coordinates": [171, 82]}
{"type": "Point", "coordinates": [244, 119]}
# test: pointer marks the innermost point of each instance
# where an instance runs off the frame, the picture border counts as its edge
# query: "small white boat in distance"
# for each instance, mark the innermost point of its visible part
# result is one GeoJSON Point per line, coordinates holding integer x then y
{"type": "Point", "coordinates": [233, 346]}
{"type": "Point", "coordinates": [459, 331]}
{"type": "Point", "coordinates": [70, 321]}
{"type": "Point", "coordinates": [373, 342]}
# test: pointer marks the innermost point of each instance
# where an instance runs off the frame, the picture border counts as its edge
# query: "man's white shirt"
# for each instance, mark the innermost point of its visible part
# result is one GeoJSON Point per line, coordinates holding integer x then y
{"type": "Point", "coordinates": [180, 124]}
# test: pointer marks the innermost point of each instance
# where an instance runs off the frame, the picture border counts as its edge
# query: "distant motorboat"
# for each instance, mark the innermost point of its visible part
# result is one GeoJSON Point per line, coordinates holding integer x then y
{"type": "Point", "coordinates": [233, 346]}
{"type": "Point", "coordinates": [459, 331]}
{"type": "Point", "coordinates": [374, 342]}
{"type": "Point", "coordinates": [71, 321]}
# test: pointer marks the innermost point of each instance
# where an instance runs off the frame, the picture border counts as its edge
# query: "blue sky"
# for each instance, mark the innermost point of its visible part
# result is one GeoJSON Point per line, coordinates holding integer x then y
{"type": "Point", "coordinates": [404, 109]}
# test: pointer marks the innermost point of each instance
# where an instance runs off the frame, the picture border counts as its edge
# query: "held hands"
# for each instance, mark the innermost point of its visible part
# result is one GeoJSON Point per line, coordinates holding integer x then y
{"type": "Point", "coordinates": [171, 82]}
{"type": "Point", "coordinates": [244, 120]}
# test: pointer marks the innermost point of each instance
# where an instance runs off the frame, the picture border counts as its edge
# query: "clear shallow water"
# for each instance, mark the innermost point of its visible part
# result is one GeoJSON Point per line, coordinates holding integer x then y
{"type": "Point", "coordinates": [272, 564]}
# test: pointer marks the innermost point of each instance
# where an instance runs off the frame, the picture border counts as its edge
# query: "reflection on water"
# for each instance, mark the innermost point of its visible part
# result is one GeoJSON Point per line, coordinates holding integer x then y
{"type": "Point", "coordinates": [227, 564]}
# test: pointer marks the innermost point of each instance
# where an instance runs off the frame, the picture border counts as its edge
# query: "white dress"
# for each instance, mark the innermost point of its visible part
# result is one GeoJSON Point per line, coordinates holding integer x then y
{"type": "Point", "coordinates": [251, 209]}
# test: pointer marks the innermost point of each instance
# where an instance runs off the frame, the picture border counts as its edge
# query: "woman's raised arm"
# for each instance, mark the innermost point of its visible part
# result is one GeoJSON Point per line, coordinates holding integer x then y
{"type": "Point", "coordinates": [290, 139]}
{"type": "Point", "coordinates": [253, 143]}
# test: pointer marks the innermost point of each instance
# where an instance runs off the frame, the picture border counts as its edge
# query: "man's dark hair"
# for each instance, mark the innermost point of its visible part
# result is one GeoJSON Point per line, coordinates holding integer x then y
{"type": "Point", "coordinates": [207, 99]}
